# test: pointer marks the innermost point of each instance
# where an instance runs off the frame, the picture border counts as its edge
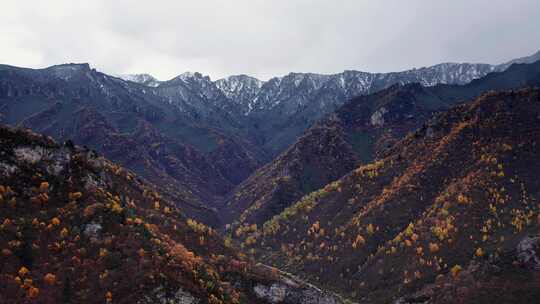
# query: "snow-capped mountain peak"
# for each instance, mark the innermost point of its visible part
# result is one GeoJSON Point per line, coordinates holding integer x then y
{"type": "Point", "coordinates": [317, 94]}
{"type": "Point", "coordinates": [241, 89]}
{"type": "Point", "coordinates": [191, 76]}
{"type": "Point", "coordinates": [145, 79]}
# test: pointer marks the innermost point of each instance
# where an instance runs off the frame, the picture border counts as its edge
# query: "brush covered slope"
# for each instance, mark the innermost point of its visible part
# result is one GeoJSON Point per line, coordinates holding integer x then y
{"type": "Point", "coordinates": [358, 132]}
{"type": "Point", "coordinates": [77, 228]}
{"type": "Point", "coordinates": [319, 156]}
{"type": "Point", "coordinates": [450, 214]}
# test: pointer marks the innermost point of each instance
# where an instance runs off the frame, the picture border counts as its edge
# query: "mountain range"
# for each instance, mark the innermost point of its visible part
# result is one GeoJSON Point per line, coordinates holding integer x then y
{"type": "Point", "coordinates": [255, 95]}
{"type": "Point", "coordinates": [205, 137]}
{"type": "Point", "coordinates": [409, 187]}
{"type": "Point", "coordinates": [282, 107]}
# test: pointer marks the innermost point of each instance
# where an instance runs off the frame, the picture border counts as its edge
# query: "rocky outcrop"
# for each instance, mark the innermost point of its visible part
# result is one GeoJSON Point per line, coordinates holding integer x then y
{"type": "Point", "coordinates": [280, 293]}
{"type": "Point", "coordinates": [528, 252]}
{"type": "Point", "coordinates": [290, 289]}
{"type": "Point", "coordinates": [160, 296]}
{"type": "Point", "coordinates": [377, 119]}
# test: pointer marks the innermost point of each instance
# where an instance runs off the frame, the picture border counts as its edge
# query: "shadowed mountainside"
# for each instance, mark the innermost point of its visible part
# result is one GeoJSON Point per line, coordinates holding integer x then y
{"type": "Point", "coordinates": [450, 214]}
{"type": "Point", "coordinates": [77, 228]}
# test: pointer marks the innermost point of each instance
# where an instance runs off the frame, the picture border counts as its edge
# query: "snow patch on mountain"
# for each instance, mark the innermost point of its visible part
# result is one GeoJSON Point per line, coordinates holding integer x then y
{"type": "Point", "coordinates": [145, 79]}
{"type": "Point", "coordinates": [297, 90]}
{"type": "Point", "coordinates": [241, 89]}
{"type": "Point", "coordinates": [316, 94]}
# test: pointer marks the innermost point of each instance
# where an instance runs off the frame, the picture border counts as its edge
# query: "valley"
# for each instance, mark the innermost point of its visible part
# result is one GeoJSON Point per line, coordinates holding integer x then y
{"type": "Point", "coordinates": [405, 187]}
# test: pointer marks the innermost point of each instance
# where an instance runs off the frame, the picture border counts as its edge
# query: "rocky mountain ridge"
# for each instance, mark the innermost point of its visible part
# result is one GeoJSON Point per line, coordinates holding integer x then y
{"type": "Point", "coordinates": [281, 108]}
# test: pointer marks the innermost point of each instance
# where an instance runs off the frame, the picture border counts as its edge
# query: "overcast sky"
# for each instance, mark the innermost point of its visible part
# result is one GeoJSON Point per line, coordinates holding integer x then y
{"type": "Point", "coordinates": [265, 38]}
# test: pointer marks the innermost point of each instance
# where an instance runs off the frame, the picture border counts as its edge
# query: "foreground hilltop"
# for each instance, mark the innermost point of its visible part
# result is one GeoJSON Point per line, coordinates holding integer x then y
{"type": "Point", "coordinates": [451, 214]}
{"type": "Point", "coordinates": [77, 228]}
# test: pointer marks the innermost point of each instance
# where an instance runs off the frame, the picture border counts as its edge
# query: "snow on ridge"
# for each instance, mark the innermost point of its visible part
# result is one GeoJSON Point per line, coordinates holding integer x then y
{"type": "Point", "coordinates": [144, 78]}
{"type": "Point", "coordinates": [294, 90]}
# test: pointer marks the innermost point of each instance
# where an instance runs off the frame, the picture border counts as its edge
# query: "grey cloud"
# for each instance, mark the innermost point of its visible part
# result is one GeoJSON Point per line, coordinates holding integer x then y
{"type": "Point", "coordinates": [265, 38]}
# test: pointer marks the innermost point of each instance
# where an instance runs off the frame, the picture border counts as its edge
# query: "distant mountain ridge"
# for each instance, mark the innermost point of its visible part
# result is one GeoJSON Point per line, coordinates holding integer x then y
{"type": "Point", "coordinates": [528, 59]}
{"type": "Point", "coordinates": [252, 92]}
{"type": "Point", "coordinates": [283, 107]}
{"type": "Point", "coordinates": [238, 80]}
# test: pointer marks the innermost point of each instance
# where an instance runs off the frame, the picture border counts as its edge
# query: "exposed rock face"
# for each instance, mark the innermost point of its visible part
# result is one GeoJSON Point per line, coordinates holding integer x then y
{"type": "Point", "coordinates": [377, 119]}
{"type": "Point", "coordinates": [145, 79]}
{"type": "Point", "coordinates": [242, 89]}
{"type": "Point", "coordinates": [7, 170]}
{"type": "Point", "coordinates": [314, 297]}
{"type": "Point", "coordinates": [92, 229]}
{"type": "Point", "coordinates": [290, 289]}
{"type": "Point", "coordinates": [29, 155]}
{"type": "Point", "coordinates": [528, 252]}
{"type": "Point", "coordinates": [160, 296]}
{"type": "Point", "coordinates": [274, 294]}
{"type": "Point", "coordinates": [279, 293]}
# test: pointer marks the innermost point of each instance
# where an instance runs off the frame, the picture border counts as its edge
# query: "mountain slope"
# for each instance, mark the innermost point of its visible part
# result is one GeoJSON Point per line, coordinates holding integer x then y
{"type": "Point", "coordinates": [445, 215]}
{"type": "Point", "coordinates": [359, 131]}
{"type": "Point", "coordinates": [241, 89]}
{"type": "Point", "coordinates": [76, 228]}
{"type": "Point", "coordinates": [197, 94]}
{"type": "Point", "coordinates": [131, 124]}
{"type": "Point", "coordinates": [276, 185]}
